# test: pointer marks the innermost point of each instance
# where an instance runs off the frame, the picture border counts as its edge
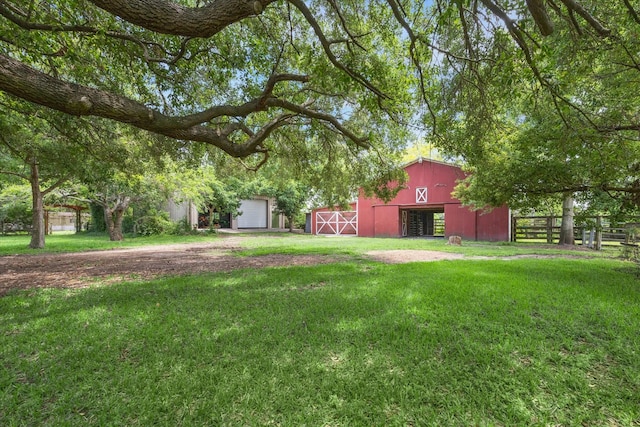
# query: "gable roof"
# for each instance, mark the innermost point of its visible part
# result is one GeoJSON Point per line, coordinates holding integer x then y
{"type": "Point", "coordinates": [424, 159]}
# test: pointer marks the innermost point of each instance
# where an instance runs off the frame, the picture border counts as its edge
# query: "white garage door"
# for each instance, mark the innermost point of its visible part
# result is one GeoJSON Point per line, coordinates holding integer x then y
{"type": "Point", "coordinates": [254, 214]}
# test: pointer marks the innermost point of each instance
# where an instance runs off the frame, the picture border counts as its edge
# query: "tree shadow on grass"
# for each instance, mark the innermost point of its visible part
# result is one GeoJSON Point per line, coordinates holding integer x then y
{"type": "Point", "coordinates": [354, 343]}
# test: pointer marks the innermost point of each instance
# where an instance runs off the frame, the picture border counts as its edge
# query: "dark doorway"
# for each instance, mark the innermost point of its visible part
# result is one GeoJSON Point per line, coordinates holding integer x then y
{"type": "Point", "coordinates": [220, 220]}
{"type": "Point", "coordinates": [425, 223]}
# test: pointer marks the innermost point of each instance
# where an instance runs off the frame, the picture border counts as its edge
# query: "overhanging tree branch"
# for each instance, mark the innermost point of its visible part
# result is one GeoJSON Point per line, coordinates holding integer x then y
{"type": "Point", "coordinates": [591, 20]}
{"type": "Point", "coordinates": [632, 11]}
{"type": "Point", "coordinates": [166, 17]}
{"type": "Point", "coordinates": [40, 88]}
{"type": "Point", "coordinates": [630, 189]}
{"type": "Point", "coordinates": [304, 111]}
{"type": "Point", "coordinates": [26, 177]}
{"type": "Point", "coordinates": [55, 185]}
{"type": "Point", "coordinates": [326, 46]}
{"type": "Point", "coordinates": [539, 13]}
{"type": "Point", "coordinates": [22, 21]}
{"type": "Point", "coordinates": [519, 37]}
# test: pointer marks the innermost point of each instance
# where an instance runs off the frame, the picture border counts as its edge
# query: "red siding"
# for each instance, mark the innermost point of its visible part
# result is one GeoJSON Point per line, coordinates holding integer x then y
{"type": "Point", "coordinates": [459, 221]}
{"type": "Point", "coordinates": [435, 180]}
{"type": "Point", "coordinates": [494, 226]}
{"type": "Point", "coordinates": [366, 217]}
{"type": "Point", "coordinates": [387, 221]}
{"type": "Point", "coordinates": [438, 178]}
{"type": "Point", "coordinates": [314, 224]}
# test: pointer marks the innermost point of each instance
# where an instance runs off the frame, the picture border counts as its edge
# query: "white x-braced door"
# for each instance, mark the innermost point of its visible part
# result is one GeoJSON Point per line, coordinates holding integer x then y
{"type": "Point", "coordinates": [337, 222]}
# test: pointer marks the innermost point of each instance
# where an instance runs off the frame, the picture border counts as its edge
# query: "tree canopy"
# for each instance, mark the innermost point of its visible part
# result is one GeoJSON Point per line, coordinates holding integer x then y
{"type": "Point", "coordinates": [549, 107]}
{"type": "Point", "coordinates": [331, 83]}
{"type": "Point", "coordinates": [228, 73]}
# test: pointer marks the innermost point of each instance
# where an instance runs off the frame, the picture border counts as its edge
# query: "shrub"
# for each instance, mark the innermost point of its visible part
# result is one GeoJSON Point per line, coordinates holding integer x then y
{"type": "Point", "coordinates": [15, 208]}
{"type": "Point", "coordinates": [182, 228]}
{"type": "Point", "coordinates": [97, 223]}
{"type": "Point", "coordinates": [155, 222]}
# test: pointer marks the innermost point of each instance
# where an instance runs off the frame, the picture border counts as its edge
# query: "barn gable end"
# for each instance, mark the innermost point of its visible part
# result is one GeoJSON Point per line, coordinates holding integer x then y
{"type": "Point", "coordinates": [425, 207]}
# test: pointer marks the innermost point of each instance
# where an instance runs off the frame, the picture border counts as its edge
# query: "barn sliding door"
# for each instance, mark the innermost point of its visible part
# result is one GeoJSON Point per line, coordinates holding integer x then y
{"type": "Point", "coordinates": [337, 222]}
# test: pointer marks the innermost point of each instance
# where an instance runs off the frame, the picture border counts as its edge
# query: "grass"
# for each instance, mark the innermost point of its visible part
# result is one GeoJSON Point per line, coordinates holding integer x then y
{"type": "Point", "coordinates": [304, 244]}
{"type": "Point", "coordinates": [521, 342]}
{"type": "Point", "coordinates": [67, 242]}
{"type": "Point", "coordinates": [256, 244]}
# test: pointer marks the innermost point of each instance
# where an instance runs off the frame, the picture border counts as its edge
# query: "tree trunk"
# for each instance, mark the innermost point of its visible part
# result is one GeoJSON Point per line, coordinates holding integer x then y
{"type": "Point", "coordinates": [78, 220]}
{"type": "Point", "coordinates": [117, 232]}
{"type": "Point", "coordinates": [113, 219]}
{"type": "Point", "coordinates": [212, 226]}
{"type": "Point", "coordinates": [598, 242]}
{"type": "Point", "coordinates": [37, 219]}
{"type": "Point", "coordinates": [566, 228]}
{"type": "Point", "coordinates": [291, 224]}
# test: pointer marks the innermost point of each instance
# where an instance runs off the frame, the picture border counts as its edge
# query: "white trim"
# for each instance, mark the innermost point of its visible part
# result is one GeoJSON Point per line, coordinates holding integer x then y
{"type": "Point", "coordinates": [336, 222]}
{"type": "Point", "coordinates": [421, 195]}
{"type": "Point", "coordinates": [427, 160]}
{"type": "Point", "coordinates": [405, 222]}
{"type": "Point", "coordinates": [357, 215]}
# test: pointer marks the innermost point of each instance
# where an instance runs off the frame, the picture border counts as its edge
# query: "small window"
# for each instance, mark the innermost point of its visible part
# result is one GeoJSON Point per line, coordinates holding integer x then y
{"type": "Point", "coordinates": [421, 195]}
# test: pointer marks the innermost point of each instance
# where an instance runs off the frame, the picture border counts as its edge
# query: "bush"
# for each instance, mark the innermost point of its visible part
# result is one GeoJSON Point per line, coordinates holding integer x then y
{"type": "Point", "coordinates": [129, 224]}
{"type": "Point", "coordinates": [15, 208]}
{"type": "Point", "coordinates": [155, 222]}
{"type": "Point", "coordinates": [300, 220]}
{"type": "Point", "coordinates": [630, 247]}
{"type": "Point", "coordinates": [182, 228]}
{"type": "Point", "coordinates": [98, 224]}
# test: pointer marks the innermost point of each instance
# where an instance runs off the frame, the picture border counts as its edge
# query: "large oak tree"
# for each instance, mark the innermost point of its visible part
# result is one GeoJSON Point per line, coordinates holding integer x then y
{"type": "Point", "coordinates": [41, 148]}
{"type": "Point", "coordinates": [544, 103]}
{"type": "Point", "coordinates": [321, 80]}
{"type": "Point", "coordinates": [231, 74]}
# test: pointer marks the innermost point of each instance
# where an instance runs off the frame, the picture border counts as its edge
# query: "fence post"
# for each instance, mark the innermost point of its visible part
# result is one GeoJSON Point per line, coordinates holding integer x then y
{"type": "Point", "coordinates": [598, 244]}
{"type": "Point", "coordinates": [549, 229]}
{"type": "Point", "coordinates": [514, 227]}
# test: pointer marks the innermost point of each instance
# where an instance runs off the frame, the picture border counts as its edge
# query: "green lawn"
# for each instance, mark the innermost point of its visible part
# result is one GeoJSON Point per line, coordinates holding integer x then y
{"type": "Point", "coordinates": [519, 342]}
{"type": "Point", "coordinates": [68, 242]}
{"type": "Point", "coordinates": [260, 244]}
{"type": "Point", "coordinates": [286, 243]}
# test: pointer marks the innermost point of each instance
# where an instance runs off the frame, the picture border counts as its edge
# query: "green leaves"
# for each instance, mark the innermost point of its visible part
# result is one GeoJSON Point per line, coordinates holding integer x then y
{"type": "Point", "coordinates": [470, 75]}
{"type": "Point", "coordinates": [548, 116]}
{"type": "Point", "coordinates": [15, 205]}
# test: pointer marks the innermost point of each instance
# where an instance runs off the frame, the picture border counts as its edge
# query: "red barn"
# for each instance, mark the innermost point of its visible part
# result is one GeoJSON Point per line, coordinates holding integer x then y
{"type": "Point", "coordinates": [425, 207]}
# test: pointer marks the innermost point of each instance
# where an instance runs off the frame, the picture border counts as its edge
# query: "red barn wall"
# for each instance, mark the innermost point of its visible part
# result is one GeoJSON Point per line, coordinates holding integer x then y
{"type": "Point", "coordinates": [477, 225]}
{"type": "Point", "coordinates": [386, 221]}
{"type": "Point", "coordinates": [459, 221]}
{"type": "Point", "coordinates": [494, 226]}
{"type": "Point", "coordinates": [377, 219]}
{"type": "Point", "coordinates": [439, 178]}
{"type": "Point", "coordinates": [366, 217]}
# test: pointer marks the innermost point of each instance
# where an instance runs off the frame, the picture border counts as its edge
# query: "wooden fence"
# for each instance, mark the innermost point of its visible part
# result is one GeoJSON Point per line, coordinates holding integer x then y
{"type": "Point", "coordinates": [593, 232]}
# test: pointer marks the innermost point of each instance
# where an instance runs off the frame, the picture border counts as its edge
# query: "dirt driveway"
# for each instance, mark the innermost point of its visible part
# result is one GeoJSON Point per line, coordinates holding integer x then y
{"type": "Point", "coordinates": [83, 268]}
{"type": "Point", "coordinates": [75, 270]}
